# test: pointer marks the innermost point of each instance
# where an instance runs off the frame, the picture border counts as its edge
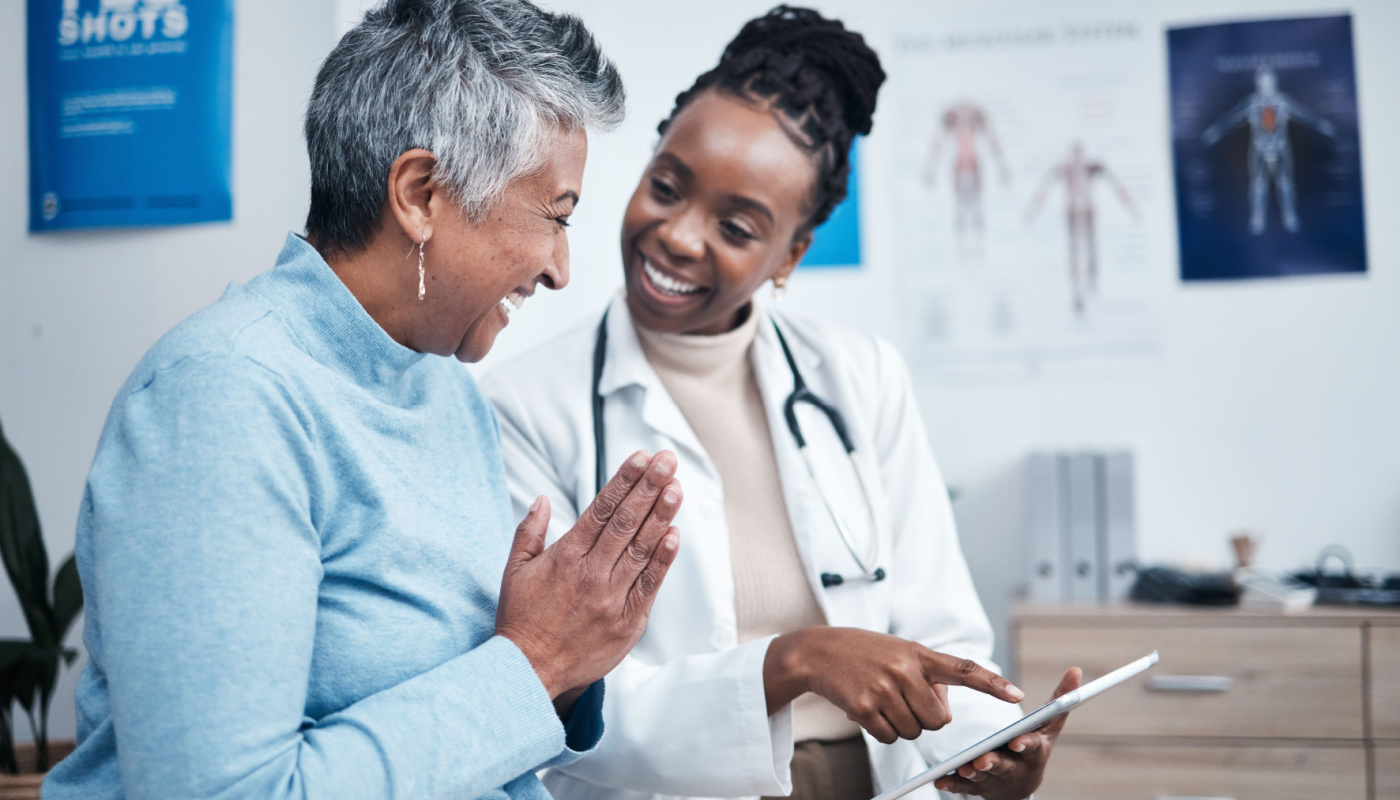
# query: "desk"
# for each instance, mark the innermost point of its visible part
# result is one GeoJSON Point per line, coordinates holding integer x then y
{"type": "Point", "coordinates": [1299, 705]}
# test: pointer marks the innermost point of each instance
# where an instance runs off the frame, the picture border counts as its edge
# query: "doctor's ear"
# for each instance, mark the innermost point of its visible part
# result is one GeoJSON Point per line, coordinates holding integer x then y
{"type": "Point", "coordinates": [793, 257]}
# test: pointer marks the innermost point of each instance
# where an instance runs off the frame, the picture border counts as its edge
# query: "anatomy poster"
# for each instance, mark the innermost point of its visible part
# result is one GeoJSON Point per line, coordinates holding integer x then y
{"type": "Point", "coordinates": [1266, 147]}
{"type": "Point", "coordinates": [1031, 179]}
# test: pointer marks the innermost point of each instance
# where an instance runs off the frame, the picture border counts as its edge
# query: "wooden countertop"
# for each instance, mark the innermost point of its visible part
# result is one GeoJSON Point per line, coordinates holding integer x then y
{"type": "Point", "coordinates": [1023, 613]}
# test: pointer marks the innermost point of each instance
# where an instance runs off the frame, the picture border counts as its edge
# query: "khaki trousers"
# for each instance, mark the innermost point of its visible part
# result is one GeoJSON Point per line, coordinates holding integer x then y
{"type": "Point", "coordinates": [831, 771]}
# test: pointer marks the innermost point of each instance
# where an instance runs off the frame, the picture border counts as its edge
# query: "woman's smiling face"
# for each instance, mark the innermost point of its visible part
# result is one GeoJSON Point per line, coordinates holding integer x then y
{"type": "Point", "coordinates": [721, 208]}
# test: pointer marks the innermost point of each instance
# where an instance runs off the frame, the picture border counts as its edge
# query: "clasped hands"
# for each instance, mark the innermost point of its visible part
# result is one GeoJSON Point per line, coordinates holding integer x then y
{"type": "Point", "coordinates": [577, 607]}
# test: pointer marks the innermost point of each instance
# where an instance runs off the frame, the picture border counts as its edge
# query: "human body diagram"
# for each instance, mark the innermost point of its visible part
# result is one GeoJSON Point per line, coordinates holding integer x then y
{"type": "Point", "coordinates": [1078, 173]}
{"type": "Point", "coordinates": [1268, 113]}
{"type": "Point", "coordinates": [965, 124]}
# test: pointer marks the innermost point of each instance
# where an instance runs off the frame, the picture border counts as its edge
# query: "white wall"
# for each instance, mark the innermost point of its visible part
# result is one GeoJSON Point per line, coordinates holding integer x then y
{"type": "Point", "coordinates": [1273, 408]}
{"type": "Point", "coordinates": [77, 310]}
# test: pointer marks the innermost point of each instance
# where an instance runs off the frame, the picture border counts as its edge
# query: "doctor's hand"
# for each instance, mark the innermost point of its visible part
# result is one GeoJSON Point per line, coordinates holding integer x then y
{"type": "Point", "coordinates": [1014, 771]}
{"type": "Point", "coordinates": [576, 608]}
{"type": "Point", "coordinates": [893, 688]}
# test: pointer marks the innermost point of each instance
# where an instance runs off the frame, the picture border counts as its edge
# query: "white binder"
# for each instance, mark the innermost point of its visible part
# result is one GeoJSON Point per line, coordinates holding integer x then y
{"type": "Point", "coordinates": [1043, 580]}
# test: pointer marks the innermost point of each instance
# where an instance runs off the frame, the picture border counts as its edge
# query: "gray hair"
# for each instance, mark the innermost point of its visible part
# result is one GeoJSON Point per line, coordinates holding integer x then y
{"type": "Point", "coordinates": [484, 85]}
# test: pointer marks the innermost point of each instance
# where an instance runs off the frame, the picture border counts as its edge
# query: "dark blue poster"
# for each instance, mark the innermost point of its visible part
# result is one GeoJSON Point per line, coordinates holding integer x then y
{"type": "Point", "coordinates": [1266, 147]}
{"type": "Point", "coordinates": [129, 112]}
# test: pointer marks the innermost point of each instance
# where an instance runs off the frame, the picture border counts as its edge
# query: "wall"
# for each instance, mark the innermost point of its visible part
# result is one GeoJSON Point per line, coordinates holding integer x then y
{"type": "Point", "coordinates": [77, 310]}
{"type": "Point", "coordinates": [1272, 407]}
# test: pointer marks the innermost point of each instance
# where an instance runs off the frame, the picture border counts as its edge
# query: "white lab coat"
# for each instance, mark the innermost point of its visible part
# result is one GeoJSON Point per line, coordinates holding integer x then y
{"type": "Point", "coordinates": [686, 713]}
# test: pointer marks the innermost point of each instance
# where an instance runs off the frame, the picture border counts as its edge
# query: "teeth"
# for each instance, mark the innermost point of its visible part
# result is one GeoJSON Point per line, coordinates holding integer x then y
{"type": "Point", "coordinates": [512, 301]}
{"type": "Point", "coordinates": [667, 284]}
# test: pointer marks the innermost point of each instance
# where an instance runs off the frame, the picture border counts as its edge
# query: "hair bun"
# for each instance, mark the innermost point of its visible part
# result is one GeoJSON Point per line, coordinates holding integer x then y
{"type": "Point", "coordinates": [790, 38]}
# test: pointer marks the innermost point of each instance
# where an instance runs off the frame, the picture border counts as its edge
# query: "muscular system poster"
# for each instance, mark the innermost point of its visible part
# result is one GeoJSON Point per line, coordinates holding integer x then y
{"type": "Point", "coordinates": [1267, 149]}
{"type": "Point", "coordinates": [1032, 190]}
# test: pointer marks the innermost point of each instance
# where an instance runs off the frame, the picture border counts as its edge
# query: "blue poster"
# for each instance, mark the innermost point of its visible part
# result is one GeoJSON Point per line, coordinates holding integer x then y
{"type": "Point", "coordinates": [1266, 147]}
{"type": "Point", "coordinates": [129, 112]}
{"type": "Point", "coordinates": [837, 242]}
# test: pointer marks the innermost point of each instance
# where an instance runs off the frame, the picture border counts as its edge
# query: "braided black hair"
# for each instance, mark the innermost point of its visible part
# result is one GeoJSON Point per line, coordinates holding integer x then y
{"type": "Point", "coordinates": [822, 77]}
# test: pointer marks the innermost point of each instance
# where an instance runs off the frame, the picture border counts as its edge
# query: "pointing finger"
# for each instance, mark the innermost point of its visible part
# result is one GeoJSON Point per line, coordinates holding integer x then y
{"type": "Point", "coordinates": [954, 671]}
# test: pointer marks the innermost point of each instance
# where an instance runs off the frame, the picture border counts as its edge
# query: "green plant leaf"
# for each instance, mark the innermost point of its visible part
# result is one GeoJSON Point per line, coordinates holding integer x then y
{"type": "Point", "coordinates": [21, 680]}
{"type": "Point", "coordinates": [67, 596]}
{"type": "Point", "coordinates": [22, 545]}
{"type": "Point", "coordinates": [12, 651]}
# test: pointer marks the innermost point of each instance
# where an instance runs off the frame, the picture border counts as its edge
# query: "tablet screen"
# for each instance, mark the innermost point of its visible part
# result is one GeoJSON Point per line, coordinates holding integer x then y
{"type": "Point", "coordinates": [1026, 724]}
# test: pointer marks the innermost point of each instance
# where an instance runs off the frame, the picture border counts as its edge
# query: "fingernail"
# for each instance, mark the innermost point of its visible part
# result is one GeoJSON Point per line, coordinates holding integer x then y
{"type": "Point", "coordinates": [535, 506]}
{"type": "Point", "coordinates": [665, 466]}
{"type": "Point", "coordinates": [672, 495]}
{"type": "Point", "coordinates": [640, 460]}
{"type": "Point", "coordinates": [671, 543]}
{"type": "Point", "coordinates": [1015, 692]}
{"type": "Point", "coordinates": [1018, 747]}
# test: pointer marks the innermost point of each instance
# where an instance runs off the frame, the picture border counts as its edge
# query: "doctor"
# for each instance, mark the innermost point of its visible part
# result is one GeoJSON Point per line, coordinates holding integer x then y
{"type": "Point", "coordinates": [819, 628]}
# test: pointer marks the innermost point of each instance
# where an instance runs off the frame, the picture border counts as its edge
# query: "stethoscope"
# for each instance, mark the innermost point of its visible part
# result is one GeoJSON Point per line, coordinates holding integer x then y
{"type": "Point", "coordinates": [870, 569]}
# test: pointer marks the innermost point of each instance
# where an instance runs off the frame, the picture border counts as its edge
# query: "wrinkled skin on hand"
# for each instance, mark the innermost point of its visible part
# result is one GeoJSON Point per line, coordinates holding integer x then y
{"type": "Point", "coordinates": [576, 608]}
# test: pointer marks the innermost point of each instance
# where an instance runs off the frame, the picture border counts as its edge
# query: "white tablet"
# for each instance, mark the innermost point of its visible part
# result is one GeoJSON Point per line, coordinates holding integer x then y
{"type": "Point", "coordinates": [1025, 724]}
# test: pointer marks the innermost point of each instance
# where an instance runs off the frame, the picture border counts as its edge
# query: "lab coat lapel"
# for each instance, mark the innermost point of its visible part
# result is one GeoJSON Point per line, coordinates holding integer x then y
{"type": "Point", "coordinates": [775, 384]}
{"type": "Point", "coordinates": [626, 365]}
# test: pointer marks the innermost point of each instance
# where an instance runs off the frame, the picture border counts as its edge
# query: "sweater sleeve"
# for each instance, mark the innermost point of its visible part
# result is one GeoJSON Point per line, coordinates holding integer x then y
{"type": "Point", "coordinates": [203, 575]}
{"type": "Point", "coordinates": [934, 601]}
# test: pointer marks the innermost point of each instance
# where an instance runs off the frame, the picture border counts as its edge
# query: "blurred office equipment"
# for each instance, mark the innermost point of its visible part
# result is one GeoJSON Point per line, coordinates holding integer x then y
{"type": "Point", "coordinates": [1264, 591]}
{"type": "Point", "coordinates": [1347, 587]}
{"type": "Point", "coordinates": [1080, 526]}
{"type": "Point", "coordinates": [1172, 585]}
{"type": "Point", "coordinates": [1244, 704]}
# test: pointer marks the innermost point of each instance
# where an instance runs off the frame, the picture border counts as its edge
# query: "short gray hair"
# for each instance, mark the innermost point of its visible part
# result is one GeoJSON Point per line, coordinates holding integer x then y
{"type": "Point", "coordinates": [484, 85]}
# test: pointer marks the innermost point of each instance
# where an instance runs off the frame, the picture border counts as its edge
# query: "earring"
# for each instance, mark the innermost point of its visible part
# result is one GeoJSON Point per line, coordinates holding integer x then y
{"type": "Point", "coordinates": [422, 290]}
{"type": "Point", "coordinates": [779, 289]}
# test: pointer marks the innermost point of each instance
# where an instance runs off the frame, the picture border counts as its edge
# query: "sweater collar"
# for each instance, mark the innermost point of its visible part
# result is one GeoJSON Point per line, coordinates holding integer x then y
{"type": "Point", "coordinates": [699, 356]}
{"type": "Point", "coordinates": [328, 321]}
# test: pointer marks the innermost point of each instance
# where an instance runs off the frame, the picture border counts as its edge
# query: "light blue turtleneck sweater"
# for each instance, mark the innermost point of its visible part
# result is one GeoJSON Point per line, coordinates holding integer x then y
{"type": "Point", "coordinates": [291, 545]}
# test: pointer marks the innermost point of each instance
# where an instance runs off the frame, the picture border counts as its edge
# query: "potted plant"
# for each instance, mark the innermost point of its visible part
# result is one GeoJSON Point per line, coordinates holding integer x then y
{"type": "Point", "coordinates": [29, 667]}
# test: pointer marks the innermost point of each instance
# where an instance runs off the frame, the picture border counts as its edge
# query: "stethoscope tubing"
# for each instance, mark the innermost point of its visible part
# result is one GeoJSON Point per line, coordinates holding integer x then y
{"type": "Point", "coordinates": [871, 571]}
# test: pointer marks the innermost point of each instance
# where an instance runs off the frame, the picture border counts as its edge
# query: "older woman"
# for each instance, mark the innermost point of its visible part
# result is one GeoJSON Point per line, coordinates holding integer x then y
{"type": "Point", "coordinates": [296, 524]}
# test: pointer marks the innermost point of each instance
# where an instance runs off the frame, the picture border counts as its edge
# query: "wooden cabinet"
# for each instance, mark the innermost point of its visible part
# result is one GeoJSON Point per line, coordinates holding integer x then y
{"type": "Point", "coordinates": [1385, 682]}
{"type": "Point", "coordinates": [1085, 770]}
{"type": "Point", "coordinates": [1241, 705]}
{"type": "Point", "coordinates": [1387, 770]}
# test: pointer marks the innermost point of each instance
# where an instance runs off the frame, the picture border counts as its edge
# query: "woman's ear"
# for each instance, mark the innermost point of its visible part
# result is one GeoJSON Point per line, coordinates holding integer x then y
{"type": "Point", "coordinates": [793, 257]}
{"type": "Point", "coordinates": [411, 191]}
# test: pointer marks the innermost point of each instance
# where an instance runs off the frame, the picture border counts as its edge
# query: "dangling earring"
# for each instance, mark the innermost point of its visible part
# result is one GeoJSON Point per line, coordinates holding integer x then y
{"type": "Point", "coordinates": [779, 289]}
{"type": "Point", "coordinates": [422, 290]}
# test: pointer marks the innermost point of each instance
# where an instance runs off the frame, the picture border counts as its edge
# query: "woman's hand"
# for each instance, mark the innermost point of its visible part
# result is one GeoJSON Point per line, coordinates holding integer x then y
{"type": "Point", "coordinates": [576, 608]}
{"type": "Point", "coordinates": [889, 686]}
{"type": "Point", "coordinates": [1015, 771]}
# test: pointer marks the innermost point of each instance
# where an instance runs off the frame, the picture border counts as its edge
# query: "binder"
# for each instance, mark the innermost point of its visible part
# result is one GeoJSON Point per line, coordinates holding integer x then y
{"type": "Point", "coordinates": [1080, 531]}
{"type": "Point", "coordinates": [1043, 529]}
{"type": "Point", "coordinates": [1080, 527]}
{"type": "Point", "coordinates": [1118, 536]}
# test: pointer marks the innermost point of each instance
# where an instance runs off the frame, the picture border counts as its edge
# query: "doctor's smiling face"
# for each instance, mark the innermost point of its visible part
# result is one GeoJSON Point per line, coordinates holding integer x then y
{"type": "Point", "coordinates": [723, 207]}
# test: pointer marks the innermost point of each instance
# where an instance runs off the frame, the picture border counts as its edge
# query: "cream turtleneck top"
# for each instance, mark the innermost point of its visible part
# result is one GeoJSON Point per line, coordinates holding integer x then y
{"type": "Point", "coordinates": [711, 380]}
